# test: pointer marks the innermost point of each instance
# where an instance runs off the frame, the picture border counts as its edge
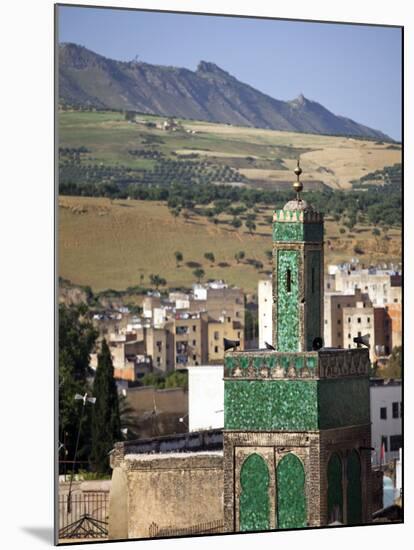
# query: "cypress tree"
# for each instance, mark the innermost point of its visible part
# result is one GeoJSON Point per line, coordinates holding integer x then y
{"type": "Point", "coordinates": [106, 425]}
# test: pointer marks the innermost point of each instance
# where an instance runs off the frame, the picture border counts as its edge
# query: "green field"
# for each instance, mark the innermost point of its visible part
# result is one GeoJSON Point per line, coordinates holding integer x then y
{"type": "Point", "coordinates": [110, 244]}
{"type": "Point", "coordinates": [264, 157]}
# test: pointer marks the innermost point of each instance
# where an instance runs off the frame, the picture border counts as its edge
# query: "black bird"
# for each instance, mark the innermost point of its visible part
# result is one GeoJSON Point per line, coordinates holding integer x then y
{"type": "Point", "coordinates": [269, 346]}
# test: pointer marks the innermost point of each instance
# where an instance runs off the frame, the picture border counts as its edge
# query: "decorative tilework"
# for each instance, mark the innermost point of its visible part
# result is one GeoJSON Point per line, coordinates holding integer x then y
{"type": "Point", "coordinates": [254, 497]}
{"type": "Point", "coordinates": [270, 405]}
{"type": "Point", "coordinates": [288, 231]}
{"type": "Point", "coordinates": [343, 402]}
{"type": "Point", "coordinates": [313, 296]}
{"type": "Point", "coordinates": [354, 497]}
{"type": "Point", "coordinates": [288, 300]}
{"type": "Point", "coordinates": [296, 231]}
{"type": "Point", "coordinates": [335, 493]}
{"type": "Point", "coordinates": [291, 499]}
{"type": "Point", "coordinates": [313, 232]}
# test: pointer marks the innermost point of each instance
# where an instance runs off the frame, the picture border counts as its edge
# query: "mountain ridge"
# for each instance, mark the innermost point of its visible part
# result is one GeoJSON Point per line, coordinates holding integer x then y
{"type": "Point", "coordinates": [209, 93]}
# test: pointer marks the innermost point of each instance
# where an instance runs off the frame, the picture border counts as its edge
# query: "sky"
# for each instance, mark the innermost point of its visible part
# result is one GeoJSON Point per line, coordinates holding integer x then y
{"type": "Point", "coordinates": [352, 70]}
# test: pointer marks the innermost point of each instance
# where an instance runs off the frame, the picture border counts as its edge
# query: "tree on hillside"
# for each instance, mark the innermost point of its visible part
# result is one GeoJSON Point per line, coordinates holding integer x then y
{"type": "Point", "coordinates": [236, 222]}
{"type": "Point", "coordinates": [76, 340]}
{"type": "Point", "coordinates": [239, 256]}
{"type": "Point", "coordinates": [129, 116]}
{"type": "Point", "coordinates": [199, 274]}
{"type": "Point", "coordinates": [106, 423]}
{"type": "Point", "coordinates": [157, 281]}
{"type": "Point", "coordinates": [178, 257]}
{"type": "Point", "coordinates": [210, 257]}
{"type": "Point", "coordinates": [251, 226]}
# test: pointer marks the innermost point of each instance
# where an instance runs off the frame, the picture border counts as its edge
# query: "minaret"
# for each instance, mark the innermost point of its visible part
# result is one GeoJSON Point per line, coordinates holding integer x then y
{"type": "Point", "coordinates": [297, 274]}
{"type": "Point", "coordinates": [297, 432]}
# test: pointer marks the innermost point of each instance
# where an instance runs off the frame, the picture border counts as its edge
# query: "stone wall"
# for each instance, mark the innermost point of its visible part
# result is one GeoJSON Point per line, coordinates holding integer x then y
{"type": "Point", "coordinates": [171, 490]}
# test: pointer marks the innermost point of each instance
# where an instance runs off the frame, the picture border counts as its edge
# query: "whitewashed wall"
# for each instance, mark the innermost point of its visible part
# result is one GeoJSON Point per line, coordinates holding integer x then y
{"type": "Point", "coordinates": [205, 397]}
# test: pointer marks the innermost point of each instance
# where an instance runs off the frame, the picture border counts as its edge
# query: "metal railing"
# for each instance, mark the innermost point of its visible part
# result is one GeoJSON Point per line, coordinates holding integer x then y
{"type": "Point", "coordinates": [84, 517]}
{"type": "Point", "coordinates": [216, 526]}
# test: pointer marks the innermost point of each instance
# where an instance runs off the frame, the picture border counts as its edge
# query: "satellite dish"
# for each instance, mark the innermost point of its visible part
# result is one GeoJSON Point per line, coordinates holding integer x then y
{"type": "Point", "coordinates": [230, 344]}
{"type": "Point", "coordinates": [317, 343]}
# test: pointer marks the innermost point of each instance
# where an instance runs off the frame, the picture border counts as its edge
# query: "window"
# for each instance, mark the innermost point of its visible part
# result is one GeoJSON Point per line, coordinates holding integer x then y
{"type": "Point", "coordinates": [368, 320]}
{"type": "Point", "coordinates": [326, 321]}
{"type": "Point", "coordinates": [194, 342]}
{"type": "Point", "coordinates": [238, 334]}
{"type": "Point", "coordinates": [349, 336]}
{"type": "Point", "coordinates": [395, 409]}
{"type": "Point", "coordinates": [338, 306]}
{"type": "Point", "coordinates": [238, 312]}
{"type": "Point", "coordinates": [288, 280]}
{"type": "Point", "coordinates": [338, 334]}
{"type": "Point", "coordinates": [228, 319]}
{"type": "Point", "coordinates": [339, 321]}
{"type": "Point", "coordinates": [349, 319]}
{"type": "Point", "coordinates": [216, 335]}
{"type": "Point", "coordinates": [395, 300]}
{"type": "Point", "coordinates": [349, 346]}
{"type": "Point", "coordinates": [215, 349]}
{"type": "Point", "coordinates": [384, 440]}
{"type": "Point", "coordinates": [328, 285]}
{"type": "Point", "coordinates": [383, 413]}
{"type": "Point", "coordinates": [395, 442]}
{"type": "Point", "coordinates": [194, 328]}
{"type": "Point", "coordinates": [194, 357]}
{"type": "Point", "coordinates": [359, 319]}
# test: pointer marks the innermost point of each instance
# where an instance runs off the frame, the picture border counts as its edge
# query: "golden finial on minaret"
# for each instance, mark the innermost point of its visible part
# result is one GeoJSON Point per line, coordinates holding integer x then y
{"type": "Point", "coordinates": [298, 185]}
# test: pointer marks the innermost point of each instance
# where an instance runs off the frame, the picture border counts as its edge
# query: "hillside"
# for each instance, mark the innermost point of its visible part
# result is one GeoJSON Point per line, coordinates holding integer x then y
{"type": "Point", "coordinates": [116, 244]}
{"type": "Point", "coordinates": [141, 153]}
{"type": "Point", "coordinates": [209, 93]}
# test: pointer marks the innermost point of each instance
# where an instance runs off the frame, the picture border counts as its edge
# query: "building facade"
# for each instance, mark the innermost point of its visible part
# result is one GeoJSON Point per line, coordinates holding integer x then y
{"type": "Point", "coordinates": [296, 420]}
{"type": "Point", "coordinates": [386, 419]}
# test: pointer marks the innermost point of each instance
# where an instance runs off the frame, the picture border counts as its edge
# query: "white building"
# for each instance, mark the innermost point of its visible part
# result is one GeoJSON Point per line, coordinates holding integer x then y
{"type": "Point", "coordinates": [265, 312]}
{"type": "Point", "coordinates": [386, 412]}
{"type": "Point", "coordinates": [205, 397]}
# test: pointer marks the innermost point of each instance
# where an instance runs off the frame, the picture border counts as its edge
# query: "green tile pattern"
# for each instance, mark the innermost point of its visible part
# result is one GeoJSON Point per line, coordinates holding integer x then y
{"type": "Point", "coordinates": [288, 302]}
{"type": "Point", "coordinates": [291, 498]}
{"type": "Point", "coordinates": [297, 232]}
{"type": "Point", "coordinates": [343, 402]}
{"type": "Point", "coordinates": [288, 231]}
{"type": "Point", "coordinates": [354, 498]}
{"type": "Point", "coordinates": [270, 405]}
{"type": "Point", "coordinates": [335, 493]}
{"type": "Point", "coordinates": [313, 299]}
{"type": "Point", "coordinates": [254, 496]}
{"type": "Point", "coordinates": [313, 232]}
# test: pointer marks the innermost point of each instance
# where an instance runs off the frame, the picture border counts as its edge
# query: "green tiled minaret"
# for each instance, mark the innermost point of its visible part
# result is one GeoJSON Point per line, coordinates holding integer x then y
{"type": "Point", "coordinates": [298, 274]}
{"type": "Point", "coordinates": [297, 419]}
